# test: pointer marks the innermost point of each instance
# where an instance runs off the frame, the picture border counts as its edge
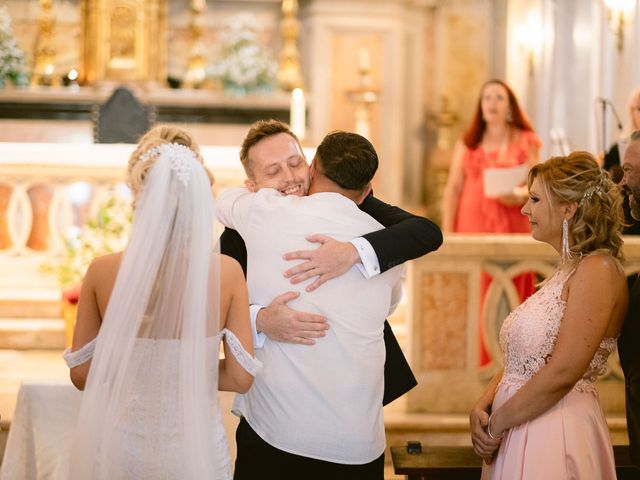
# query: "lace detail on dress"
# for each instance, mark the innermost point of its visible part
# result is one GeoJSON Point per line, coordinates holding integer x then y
{"type": "Point", "coordinates": [528, 337]}
{"type": "Point", "coordinates": [80, 356]}
{"type": "Point", "coordinates": [148, 422]}
{"type": "Point", "coordinates": [251, 364]}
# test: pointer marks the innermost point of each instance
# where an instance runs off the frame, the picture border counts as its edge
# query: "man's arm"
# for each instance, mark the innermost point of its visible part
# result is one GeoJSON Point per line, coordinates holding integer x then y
{"type": "Point", "coordinates": [405, 237]}
{"type": "Point", "coordinates": [277, 321]}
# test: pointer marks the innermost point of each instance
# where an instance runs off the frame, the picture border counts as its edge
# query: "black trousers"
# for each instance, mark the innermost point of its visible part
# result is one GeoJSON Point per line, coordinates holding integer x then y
{"type": "Point", "coordinates": [257, 459]}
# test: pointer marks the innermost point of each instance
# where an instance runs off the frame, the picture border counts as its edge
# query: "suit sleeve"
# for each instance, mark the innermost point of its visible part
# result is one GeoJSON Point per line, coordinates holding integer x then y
{"type": "Point", "coordinates": [232, 244]}
{"type": "Point", "coordinates": [404, 237]}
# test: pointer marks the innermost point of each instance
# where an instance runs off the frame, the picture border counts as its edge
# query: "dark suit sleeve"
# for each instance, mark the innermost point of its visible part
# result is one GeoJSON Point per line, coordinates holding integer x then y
{"type": "Point", "coordinates": [630, 363]}
{"type": "Point", "coordinates": [232, 244]}
{"type": "Point", "coordinates": [405, 237]}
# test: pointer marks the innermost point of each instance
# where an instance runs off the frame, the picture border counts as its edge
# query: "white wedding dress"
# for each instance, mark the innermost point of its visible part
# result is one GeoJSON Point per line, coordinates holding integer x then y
{"type": "Point", "coordinates": [147, 433]}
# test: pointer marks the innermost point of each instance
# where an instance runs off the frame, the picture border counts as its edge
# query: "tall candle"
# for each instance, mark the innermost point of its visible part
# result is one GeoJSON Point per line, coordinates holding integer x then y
{"type": "Point", "coordinates": [297, 113]}
{"type": "Point", "coordinates": [364, 60]}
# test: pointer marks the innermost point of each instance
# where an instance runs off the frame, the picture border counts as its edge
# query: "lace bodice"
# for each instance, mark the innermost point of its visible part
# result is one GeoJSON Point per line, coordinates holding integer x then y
{"type": "Point", "coordinates": [528, 337]}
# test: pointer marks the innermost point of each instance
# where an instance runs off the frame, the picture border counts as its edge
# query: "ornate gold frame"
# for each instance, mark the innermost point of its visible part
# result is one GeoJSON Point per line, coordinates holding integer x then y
{"type": "Point", "coordinates": [123, 41]}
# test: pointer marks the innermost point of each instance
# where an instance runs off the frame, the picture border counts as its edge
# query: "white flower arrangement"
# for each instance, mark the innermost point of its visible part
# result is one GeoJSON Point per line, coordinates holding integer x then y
{"type": "Point", "coordinates": [245, 66]}
{"type": "Point", "coordinates": [107, 233]}
{"type": "Point", "coordinates": [12, 61]}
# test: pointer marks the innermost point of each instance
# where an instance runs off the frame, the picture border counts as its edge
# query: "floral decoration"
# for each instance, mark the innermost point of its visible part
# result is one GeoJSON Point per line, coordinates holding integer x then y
{"type": "Point", "coordinates": [245, 66]}
{"type": "Point", "coordinates": [12, 60]}
{"type": "Point", "coordinates": [107, 233]}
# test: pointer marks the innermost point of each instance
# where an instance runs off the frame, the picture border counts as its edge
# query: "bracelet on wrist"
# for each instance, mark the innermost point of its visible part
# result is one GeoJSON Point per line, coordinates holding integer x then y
{"type": "Point", "coordinates": [493, 437]}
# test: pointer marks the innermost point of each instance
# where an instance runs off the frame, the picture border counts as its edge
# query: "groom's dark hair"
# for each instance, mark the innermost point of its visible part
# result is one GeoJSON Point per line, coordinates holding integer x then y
{"type": "Point", "coordinates": [347, 159]}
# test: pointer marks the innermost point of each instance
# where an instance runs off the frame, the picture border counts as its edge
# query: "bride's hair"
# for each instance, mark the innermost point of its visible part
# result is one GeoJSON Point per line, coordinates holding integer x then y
{"type": "Point", "coordinates": [138, 169]}
{"type": "Point", "coordinates": [598, 220]}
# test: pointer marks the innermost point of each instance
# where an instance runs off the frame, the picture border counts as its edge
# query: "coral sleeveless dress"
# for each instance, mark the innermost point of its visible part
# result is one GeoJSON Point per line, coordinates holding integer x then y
{"type": "Point", "coordinates": [570, 441]}
{"type": "Point", "coordinates": [479, 214]}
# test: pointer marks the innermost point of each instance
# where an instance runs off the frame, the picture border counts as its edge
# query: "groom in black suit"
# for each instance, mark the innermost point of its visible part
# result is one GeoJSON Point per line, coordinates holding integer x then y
{"type": "Point", "coordinates": [405, 237]}
{"type": "Point", "coordinates": [630, 334]}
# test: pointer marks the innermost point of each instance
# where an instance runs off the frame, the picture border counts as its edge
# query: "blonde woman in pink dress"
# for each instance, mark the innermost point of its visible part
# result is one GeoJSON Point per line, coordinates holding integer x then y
{"type": "Point", "coordinates": [499, 137]}
{"type": "Point", "coordinates": [539, 417]}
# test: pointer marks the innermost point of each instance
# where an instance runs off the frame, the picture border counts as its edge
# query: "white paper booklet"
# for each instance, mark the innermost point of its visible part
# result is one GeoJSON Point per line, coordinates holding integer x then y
{"type": "Point", "coordinates": [501, 181]}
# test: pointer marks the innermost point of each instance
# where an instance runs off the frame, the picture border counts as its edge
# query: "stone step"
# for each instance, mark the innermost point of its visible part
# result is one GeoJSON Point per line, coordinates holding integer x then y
{"type": "Point", "coordinates": [30, 303]}
{"type": "Point", "coordinates": [32, 333]}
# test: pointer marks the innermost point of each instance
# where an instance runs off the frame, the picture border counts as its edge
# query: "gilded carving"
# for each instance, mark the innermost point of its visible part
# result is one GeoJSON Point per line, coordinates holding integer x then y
{"type": "Point", "coordinates": [123, 41]}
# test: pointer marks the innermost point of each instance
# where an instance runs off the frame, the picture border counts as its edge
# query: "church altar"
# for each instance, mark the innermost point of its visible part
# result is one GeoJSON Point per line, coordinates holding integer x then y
{"type": "Point", "coordinates": [168, 105]}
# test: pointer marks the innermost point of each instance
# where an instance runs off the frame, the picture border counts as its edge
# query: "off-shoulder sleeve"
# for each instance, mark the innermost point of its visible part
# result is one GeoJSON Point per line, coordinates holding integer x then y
{"type": "Point", "coordinates": [80, 356]}
{"type": "Point", "coordinates": [251, 364]}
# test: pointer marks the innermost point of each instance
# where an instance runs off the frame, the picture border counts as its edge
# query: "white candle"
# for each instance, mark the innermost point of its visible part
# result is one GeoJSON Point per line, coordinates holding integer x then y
{"type": "Point", "coordinates": [364, 60]}
{"type": "Point", "coordinates": [297, 120]}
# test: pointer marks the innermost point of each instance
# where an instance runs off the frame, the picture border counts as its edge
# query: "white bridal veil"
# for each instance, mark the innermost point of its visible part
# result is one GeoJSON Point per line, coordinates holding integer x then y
{"type": "Point", "coordinates": [150, 385]}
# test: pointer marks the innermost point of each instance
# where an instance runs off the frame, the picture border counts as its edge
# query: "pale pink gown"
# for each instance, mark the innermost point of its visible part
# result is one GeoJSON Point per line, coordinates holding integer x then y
{"type": "Point", "coordinates": [570, 440]}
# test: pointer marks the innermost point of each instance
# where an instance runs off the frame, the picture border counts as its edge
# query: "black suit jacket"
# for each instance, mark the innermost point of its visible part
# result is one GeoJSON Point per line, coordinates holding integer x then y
{"type": "Point", "coordinates": [630, 362]}
{"type": "Point", "coordinates": [405, 237]}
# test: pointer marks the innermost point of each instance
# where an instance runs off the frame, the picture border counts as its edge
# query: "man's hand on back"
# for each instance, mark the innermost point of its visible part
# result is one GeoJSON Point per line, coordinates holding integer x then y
{"type": "Point", "coordinates": [283, 324]}
{"type": "Point", "coordinates": [331, 259]}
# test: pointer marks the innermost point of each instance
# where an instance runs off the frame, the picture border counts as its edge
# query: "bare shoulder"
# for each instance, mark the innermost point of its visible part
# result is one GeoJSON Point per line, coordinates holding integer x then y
{"type": "Point", "coordinates": [601, 268]}
{"type": "Point", "coordinates": [600, 264]}
{"type": "Point", "coordinates": [104, 265]}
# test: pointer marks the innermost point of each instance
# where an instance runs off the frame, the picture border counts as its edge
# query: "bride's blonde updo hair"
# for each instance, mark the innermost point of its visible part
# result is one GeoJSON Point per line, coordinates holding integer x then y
{"type": "Point", "coordinates": [137, 169]}
{"type": "Point", "coordinates": [598, 221]}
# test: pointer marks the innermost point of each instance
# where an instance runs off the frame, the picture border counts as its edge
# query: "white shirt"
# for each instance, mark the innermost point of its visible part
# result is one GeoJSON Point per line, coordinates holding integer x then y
{"type": "Point", "coordinates": [322, 401]}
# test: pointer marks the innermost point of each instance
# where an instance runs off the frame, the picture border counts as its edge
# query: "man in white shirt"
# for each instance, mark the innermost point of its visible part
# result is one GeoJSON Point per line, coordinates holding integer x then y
{"type": "Point", "coordinates": [315, 413]}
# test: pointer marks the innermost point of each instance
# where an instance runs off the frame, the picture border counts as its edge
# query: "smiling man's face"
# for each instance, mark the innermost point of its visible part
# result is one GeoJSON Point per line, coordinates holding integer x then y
{"type": "Point", "coordinates": [278, 162]}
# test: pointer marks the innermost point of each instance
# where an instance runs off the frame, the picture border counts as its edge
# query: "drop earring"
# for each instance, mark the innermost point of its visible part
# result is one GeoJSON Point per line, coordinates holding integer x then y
{"type": "Point", "coordinates": [566, 253]}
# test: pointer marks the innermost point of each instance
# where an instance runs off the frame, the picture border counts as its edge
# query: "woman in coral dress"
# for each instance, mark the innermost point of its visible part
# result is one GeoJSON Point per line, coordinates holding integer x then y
{"type": "Point", "coordinates": [500, 137]}
{"type": "Point", "coordinates": [540, 418]}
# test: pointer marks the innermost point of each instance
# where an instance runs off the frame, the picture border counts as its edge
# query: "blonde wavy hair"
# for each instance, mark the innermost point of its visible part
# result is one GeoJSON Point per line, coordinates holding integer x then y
{"type": "Point", "coordinates": [598, 220]}
{"type": "Point", "coordinates": [137, 170]}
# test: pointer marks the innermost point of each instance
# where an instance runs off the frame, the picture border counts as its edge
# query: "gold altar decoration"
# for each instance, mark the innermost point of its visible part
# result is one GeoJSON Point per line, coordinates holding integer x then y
{"type": "Point", "coordinates": [444, 121]}
{"type": "Point", "coordinates": [44, 71]}
{"type": "Point", "coordinates": [123, 41]}
{"type": "Point", "coordinates": [195, 75]}
{"type": "Point", "coordinates": [364, 95]}
{"type": "Point", "coordinates": [289, 74]}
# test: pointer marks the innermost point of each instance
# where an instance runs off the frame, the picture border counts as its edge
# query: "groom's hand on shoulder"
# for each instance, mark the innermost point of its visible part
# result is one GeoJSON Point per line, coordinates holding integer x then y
{"type": "Point", "coordinates": [283, 324]}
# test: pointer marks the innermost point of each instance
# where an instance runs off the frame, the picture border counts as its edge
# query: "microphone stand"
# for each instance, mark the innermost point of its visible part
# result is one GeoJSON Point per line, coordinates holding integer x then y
{"type": "Point", "coordinates": [603, 102]}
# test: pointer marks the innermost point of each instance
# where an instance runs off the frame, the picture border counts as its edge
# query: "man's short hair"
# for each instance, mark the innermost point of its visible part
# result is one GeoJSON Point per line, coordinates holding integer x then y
{"type": "Point", "coordinates": [348, 159]}
{"type": "Point", "coordinates": [259, 131]}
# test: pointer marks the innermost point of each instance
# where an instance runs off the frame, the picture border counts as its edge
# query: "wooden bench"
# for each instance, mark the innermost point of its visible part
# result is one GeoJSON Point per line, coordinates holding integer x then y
{"type": "Point", "coordinates": [461, 463]}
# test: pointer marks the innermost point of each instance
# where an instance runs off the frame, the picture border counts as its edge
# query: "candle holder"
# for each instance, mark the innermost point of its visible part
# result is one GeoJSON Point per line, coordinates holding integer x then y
{"type": "Point", "coordinates": [289, 75]}
{"type": "Point", "coordinates": [444, 121]}
{"type": "Point", "coordinates": [364, 95]}
{"type": "Point", "coordinates": [45, 52]}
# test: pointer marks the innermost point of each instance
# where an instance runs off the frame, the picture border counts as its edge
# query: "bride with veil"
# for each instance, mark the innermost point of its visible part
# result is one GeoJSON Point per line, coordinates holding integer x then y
{"type": "Point", "coordinates": [150, 321]}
